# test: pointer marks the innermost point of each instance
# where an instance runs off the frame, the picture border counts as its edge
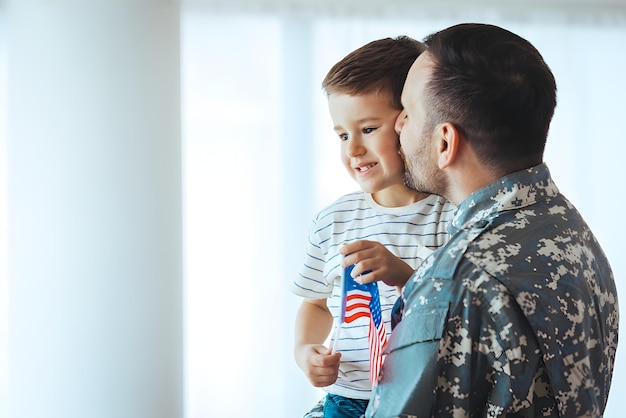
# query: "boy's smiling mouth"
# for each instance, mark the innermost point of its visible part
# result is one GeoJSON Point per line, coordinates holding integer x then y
{"type": "Point", "coordinates": [364, 168]}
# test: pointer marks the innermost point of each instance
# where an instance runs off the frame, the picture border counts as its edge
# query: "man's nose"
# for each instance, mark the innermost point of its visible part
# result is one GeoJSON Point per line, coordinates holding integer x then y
{"type": "Point", "coordinates": [400, 122]}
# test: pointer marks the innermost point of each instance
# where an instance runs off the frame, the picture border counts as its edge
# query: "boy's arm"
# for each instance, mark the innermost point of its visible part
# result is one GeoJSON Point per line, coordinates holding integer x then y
{"type": "Point", "coordinates": [313, 324]}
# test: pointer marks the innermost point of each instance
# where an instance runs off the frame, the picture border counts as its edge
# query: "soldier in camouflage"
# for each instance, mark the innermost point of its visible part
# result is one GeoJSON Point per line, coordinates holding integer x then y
{"type": "Point", "coordinates": [517, 316]}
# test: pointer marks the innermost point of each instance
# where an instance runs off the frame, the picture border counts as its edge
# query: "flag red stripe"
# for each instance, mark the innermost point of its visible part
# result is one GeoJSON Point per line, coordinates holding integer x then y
{"type": "Point", "coordinates": [355, 316]}
{"type": "Point", "coordinates": [358, 305]}
{"type": "Point", "coordinates": [377, 342]}
{"type": "Point", "coordinates": [356, 295]}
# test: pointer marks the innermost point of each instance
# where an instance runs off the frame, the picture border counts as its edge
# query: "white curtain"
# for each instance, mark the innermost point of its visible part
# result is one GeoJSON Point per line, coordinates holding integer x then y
{"type": "Point", "coordinates": [261, 158]}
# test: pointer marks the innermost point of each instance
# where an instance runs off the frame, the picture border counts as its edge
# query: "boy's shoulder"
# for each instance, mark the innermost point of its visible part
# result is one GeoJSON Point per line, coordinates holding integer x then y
{"type": "Point", "coordinates": [350, 203]}
{"type": "Point", "coordinates": [353, 198]}
{"type": "Point", "coordinates": [347, 202]}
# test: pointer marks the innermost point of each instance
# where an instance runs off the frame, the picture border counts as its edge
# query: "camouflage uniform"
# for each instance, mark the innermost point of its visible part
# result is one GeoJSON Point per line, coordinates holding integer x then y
{"type": "Point", "coordinates": [516, 316]}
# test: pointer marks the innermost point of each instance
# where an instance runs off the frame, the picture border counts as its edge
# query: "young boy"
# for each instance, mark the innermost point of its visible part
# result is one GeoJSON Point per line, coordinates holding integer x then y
{"type": "Point", "coordinates": [384, 230]}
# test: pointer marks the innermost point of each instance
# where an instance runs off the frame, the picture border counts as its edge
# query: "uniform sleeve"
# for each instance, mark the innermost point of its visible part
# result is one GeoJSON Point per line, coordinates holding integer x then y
{"type": "Point", "coordinates": [488, 356]}
{"type": "Point", "coordinates": [468, 351]}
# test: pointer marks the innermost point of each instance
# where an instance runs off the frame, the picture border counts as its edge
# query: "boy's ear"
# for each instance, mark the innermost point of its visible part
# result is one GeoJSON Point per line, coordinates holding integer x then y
{"type": "Point", "coordinates": [447, 144]}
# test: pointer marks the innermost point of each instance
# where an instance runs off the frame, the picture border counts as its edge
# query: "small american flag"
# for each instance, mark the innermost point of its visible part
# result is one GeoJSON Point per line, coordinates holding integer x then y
{"type": "Point", "coordinates": [363, 300]}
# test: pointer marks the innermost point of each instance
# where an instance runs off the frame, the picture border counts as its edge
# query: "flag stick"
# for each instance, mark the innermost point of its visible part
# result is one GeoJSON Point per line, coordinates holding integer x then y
{"type": "Point", "coordinates": [342, 313]}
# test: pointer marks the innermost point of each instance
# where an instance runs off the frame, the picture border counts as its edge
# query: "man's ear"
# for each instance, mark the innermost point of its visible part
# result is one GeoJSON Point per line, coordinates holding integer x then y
{"type": "Point", "coordinates": [447, 144]}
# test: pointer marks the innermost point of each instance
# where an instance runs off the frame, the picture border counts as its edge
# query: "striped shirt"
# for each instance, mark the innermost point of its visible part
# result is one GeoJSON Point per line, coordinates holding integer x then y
{"type": "Point", "coordinates": [410, 232]}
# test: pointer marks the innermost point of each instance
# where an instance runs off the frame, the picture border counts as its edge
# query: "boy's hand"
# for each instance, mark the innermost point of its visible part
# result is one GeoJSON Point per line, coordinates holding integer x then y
{"type": "Point", "coordinates": [318, 364]}
{"type": "Point", "coordinates": [373, 256]}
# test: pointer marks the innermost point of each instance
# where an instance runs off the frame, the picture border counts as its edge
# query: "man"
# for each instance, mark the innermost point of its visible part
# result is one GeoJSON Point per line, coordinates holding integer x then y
{"type": "Point", "coordinates": [517, 315]}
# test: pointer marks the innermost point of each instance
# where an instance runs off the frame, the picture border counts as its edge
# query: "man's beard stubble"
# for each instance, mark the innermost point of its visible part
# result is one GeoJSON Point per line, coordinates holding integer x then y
{"type": "Point", "coordinates": [408, 180]}
{"type": "Point", "coordinates": [407, 177]}
{"type": "Point", "coordinates": [437, 182]}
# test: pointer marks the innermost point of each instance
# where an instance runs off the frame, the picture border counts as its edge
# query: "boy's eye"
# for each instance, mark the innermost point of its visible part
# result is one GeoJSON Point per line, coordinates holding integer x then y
{"type": "Point", "coordinates": [343, 137]}
{"type": "Point", "coordinates": [368, 130]}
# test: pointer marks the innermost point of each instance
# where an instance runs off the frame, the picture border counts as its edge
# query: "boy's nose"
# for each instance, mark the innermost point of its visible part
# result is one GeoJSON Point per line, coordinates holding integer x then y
{"type": "Point", "coordinates": [355, 148]}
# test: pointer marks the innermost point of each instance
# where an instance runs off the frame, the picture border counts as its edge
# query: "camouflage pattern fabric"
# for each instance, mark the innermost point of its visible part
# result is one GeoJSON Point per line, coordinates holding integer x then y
{"type": "Point", "coordinates": [517, 316]}
{"type": "Point", "coordinates": [317, 411]}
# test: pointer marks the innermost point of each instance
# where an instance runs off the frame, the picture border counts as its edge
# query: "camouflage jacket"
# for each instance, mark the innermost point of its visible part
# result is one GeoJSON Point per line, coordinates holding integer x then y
{"type": "Point", "coordinates": [516, 316]}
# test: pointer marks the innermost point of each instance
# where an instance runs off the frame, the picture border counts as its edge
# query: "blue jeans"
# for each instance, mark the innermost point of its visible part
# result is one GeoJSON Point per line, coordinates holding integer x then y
{"type": "Point", "coordinates": [339, 407]}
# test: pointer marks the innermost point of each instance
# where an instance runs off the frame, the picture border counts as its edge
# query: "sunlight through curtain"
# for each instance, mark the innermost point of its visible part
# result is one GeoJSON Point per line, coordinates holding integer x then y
{"type": "Point", "coordinates": [261, 159]}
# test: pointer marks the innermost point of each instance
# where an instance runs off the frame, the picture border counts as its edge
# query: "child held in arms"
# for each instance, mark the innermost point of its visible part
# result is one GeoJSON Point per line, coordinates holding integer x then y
{"type": "Point", "coordinates": [384, 230]}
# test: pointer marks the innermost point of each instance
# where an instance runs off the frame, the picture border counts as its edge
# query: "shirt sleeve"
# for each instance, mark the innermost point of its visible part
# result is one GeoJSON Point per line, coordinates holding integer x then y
{"type": "Point", "coordinates": [310, 282]}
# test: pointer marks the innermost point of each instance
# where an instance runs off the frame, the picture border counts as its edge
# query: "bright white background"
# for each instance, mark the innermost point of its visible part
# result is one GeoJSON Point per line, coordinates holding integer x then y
{"type": "Point", "coordinates": [260, 157]}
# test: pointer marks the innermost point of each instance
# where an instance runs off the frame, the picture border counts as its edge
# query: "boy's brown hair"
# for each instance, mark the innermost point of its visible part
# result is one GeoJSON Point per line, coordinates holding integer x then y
{"type": "Point", "coordinates": [378, 66]}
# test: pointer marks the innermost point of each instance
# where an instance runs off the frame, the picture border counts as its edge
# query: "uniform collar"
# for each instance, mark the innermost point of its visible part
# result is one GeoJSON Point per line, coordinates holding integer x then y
{"type": "Point", "coordinates": [513, 191]}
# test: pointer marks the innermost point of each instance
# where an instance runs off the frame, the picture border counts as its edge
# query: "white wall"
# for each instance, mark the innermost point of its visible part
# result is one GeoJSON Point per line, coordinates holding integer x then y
{"type": "Point", "coordinates": [94, 211]}
{"type": "Point", "coordinates": [4, 285]}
